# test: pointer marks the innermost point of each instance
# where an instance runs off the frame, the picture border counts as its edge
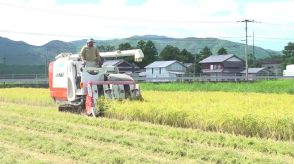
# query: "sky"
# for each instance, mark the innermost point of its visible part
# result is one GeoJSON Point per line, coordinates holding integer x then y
{"type": "Point", "coordinates": [40, 21]}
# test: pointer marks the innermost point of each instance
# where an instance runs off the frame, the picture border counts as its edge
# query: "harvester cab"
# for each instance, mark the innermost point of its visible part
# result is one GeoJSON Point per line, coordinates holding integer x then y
{"type": "Point", "coordinates": [79, 89]}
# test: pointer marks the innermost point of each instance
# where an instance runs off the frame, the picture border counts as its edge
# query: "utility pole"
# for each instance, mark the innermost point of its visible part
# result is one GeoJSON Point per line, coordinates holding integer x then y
{"type": "Point", "coordinates": [246, 46]}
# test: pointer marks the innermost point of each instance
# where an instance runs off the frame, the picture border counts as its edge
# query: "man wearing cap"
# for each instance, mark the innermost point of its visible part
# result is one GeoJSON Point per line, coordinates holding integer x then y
{"type": "Point", "coordinates": [90, 54]}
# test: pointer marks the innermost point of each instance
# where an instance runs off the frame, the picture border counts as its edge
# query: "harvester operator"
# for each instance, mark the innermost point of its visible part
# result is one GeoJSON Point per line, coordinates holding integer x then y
{"type": "Point", "coordinates": [90, 54]}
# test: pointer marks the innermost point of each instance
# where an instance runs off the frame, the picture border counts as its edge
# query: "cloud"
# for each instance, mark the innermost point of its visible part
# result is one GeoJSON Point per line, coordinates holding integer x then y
{"type": "Point", "coordinates": [136, 2]}
{"type": "Point", "coordinates": [64, 2]}
{"type": "Point", "coordinates": [106, 19]}
{"type": "Point", "coordinates": [280, 12]}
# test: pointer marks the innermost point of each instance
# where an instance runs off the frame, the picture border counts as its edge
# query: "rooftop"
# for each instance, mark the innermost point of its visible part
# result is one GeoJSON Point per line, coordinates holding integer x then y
{"type": "Point", "coordinates": [158, 64]}
{"type": "Point", "coordinates": [253, 70]}
{"type": "Point", "coordinates": [216, 58]}
{"type": "Point", "coordinates": [112, 62]}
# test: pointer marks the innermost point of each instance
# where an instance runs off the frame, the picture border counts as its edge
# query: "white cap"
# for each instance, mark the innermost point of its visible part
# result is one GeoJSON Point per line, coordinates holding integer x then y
{"type": "Point", "coordinates": [91, 40]}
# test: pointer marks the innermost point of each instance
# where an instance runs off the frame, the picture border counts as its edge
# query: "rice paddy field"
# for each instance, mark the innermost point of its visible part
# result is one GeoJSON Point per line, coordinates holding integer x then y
{"type": "Point", "coordinates": [175, 123]}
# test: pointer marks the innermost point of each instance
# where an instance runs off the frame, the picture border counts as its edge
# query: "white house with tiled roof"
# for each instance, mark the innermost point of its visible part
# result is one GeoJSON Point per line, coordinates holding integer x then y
{"type": "Point", "coordinates": [165, 69]}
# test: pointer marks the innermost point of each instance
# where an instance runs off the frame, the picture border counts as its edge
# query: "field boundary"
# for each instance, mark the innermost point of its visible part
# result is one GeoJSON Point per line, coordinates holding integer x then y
{"type": "Point", "coordinates": [43, 78]}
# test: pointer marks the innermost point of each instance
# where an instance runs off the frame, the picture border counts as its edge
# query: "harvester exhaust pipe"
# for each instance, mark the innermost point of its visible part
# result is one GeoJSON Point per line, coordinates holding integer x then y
{"type": "Point", "coordinates": [137, 53]}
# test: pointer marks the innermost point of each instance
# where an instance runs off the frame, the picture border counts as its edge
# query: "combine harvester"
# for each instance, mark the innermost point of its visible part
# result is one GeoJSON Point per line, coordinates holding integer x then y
{"type": "Point", "coordinates": [77, 88]}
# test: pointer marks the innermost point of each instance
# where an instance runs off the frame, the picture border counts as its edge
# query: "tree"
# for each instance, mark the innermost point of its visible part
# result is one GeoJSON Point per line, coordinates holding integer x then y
{"type": "Point", "coordinates": [141, 44]}
{"type": "Point", "coordinates": [222, 51]}
{"type": "Point", "coordinates": [204, 53]}
{"type": "Point", "coordinates": [106, 48]}
{"type": "Point", "coordinates": [125, 46]}
{"type": "Point", "coordinates": [170, 53]}
{"type": "Point", "coordinates": [149, 50]}
{"type": "Point", "coordinates": [196, 65]}
{"type": "Point", "coordinates": [174, 53]}
{"type": "Point", "coordinates": [252, 60]}
{"type": "Point", "coordinates": [195, 68]}
{"type": "Point", "coordinates": [288, 52]}
{"type": "Point", "coordinates": [269, 59]}
{"type": "Point", "coordinates": [186, 56]}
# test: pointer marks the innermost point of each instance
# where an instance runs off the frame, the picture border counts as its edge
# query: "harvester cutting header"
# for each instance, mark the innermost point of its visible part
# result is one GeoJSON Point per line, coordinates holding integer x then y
{"type": "Point", "coordinates": [75, 85]}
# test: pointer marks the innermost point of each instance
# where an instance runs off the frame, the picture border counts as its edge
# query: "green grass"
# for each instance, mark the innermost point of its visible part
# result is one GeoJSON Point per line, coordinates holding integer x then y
{"type": "Point", "coordinates": [270, 86]}
{"type": "Point", "coordinates": [34, 134]}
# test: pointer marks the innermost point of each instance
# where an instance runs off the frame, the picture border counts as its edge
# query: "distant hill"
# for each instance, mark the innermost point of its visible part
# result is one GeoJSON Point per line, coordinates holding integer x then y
{"type": "Point", "coordinates": [193, 45]}
{"type": "Point", "coordinates": [21, 53]}
{"type": "Point", "coordinates": [12, 52]}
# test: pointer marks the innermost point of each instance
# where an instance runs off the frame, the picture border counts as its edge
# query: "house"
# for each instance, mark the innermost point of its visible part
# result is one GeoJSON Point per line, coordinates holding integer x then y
{"type": "Point", "coordinates": [275, 68]}
{"type": "Point", "coordinates": [165, 69]}
{"type": "Point", "coordinates": [122, 65]}
{"type": "Point", "coordinates": [273, 65]}
{"type": "Point", "coordinates": [254, 72]}
{"type": "Point", "coordinates": [222, 64]}
{"type": "Point", "coordinates": [190, 67]}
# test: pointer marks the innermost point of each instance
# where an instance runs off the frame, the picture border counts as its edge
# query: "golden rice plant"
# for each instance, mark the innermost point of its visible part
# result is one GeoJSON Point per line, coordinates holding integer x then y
{"type": "Point", "coordinates": [250, 114]}
{"type": "Point", "coordinates": [33, 96]}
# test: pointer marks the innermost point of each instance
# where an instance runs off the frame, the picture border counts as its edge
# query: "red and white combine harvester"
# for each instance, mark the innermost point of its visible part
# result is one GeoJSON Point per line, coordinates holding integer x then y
{"type": "Point", "coordinates": [78, 88]}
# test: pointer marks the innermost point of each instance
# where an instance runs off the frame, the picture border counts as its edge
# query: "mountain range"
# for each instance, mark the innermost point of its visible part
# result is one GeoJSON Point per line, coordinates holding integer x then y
{"type": "Point", "coordinates": [21, 53]}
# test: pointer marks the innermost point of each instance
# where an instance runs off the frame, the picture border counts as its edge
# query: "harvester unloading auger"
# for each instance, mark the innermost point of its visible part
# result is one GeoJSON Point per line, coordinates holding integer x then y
{"type": "Point", "coordinates": [77, 88]}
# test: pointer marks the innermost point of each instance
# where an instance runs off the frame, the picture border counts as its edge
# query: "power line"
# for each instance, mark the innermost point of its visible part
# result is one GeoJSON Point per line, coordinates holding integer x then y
{"type": "Point", "coordinates": [208, 41]}
{"type": "Point", "coordinates": [273, 38]}
{"type": "Point", "coordinates": [81, 36]}
{"type": "Point", "coordinates": [194, 49]}
{"type": "Point", "coordinates": [185, 39]}
{"type": "Point", "coordinates": [44, 34]}
{"type": "Point", "coordinates": [274, 24]}
{"type": "Point", "coordinates": [124, 18]}
{"type": "Point", "coordinates": [182, 39]}
{"type": "Point", "coordinates": [113, 18]}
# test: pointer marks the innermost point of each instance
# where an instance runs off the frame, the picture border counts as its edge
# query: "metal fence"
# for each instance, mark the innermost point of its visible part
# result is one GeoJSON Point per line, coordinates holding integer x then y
{"type": "Point", "coordinates": [23, 78]}
{"type": "Point", "coordinates": [43, 78]}
{"type": "Point", "coordinates": [212, 78]}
